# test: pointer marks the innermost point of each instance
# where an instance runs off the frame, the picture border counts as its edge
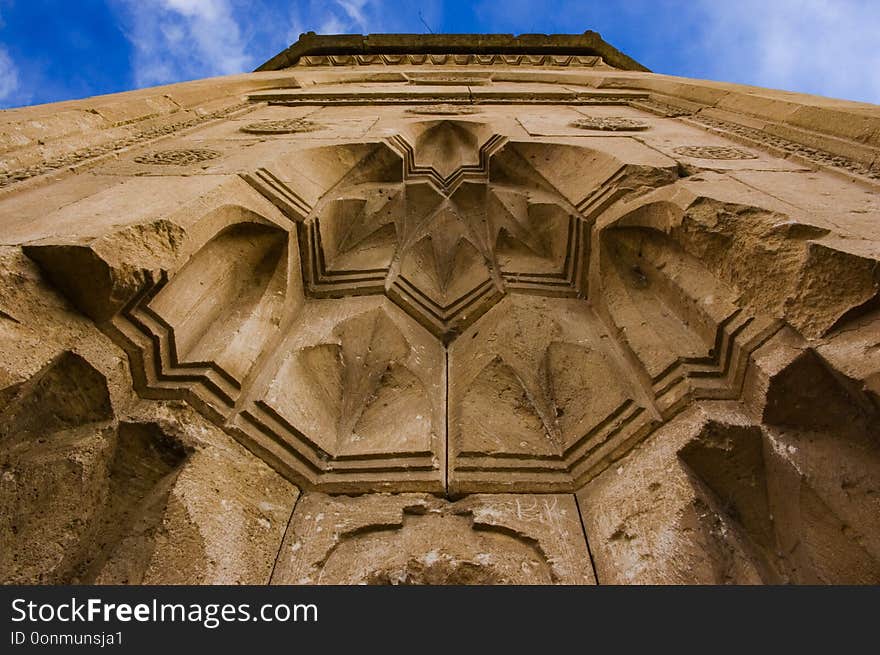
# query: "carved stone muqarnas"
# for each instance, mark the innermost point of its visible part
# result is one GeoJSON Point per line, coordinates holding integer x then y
{"type": "Point", "coordinates": [425, 315]}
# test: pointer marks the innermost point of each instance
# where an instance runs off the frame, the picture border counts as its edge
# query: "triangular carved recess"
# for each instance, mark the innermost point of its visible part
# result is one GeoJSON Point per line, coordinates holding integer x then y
{"type": "Point", "coordinates": [543, 375]}
{"type": "Point", "coordinates": [361, 384]}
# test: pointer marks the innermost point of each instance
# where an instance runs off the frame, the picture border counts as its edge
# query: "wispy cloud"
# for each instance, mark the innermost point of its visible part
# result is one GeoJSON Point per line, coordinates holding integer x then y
{"type": "Point", "coordinates": [829, 47]}
{"type": "Point", "coordinates": [174, 40]}
{"type": "Point", "coordinates": [9, 81]}
{"type": "Point", "coordinates": [361, 16]}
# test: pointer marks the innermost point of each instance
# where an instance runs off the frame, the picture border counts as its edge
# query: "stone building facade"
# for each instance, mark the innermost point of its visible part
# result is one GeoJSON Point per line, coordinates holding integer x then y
{"type": "Point", "coordinates": [441, 309]}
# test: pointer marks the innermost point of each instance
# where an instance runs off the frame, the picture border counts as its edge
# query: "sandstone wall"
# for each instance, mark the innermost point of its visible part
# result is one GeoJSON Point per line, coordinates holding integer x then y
{"type": "Point", "coordinates": [467, 320]}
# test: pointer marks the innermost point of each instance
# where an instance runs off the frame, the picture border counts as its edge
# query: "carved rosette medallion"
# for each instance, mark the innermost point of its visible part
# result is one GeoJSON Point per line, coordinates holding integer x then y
{"type": "Point", "coordinates": [283, 126]}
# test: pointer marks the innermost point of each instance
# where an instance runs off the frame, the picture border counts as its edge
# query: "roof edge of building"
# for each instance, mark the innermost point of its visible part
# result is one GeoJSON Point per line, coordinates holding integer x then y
{"type": "Point", "coordinates": [588, 43]}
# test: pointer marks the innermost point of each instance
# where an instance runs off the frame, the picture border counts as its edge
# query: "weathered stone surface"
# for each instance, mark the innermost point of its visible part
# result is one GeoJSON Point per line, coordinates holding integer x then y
{"type": "Point", "coordinates": [503, 293]}
{"type": "Point", "coordinates": [418, 539]}
{"type": "Point", "coordinates": [56, 442]}
{"type": "Point", "coordinates": [220, 521]}
{"type": "Point", "coordinates": [98, 486]}
{"type": "Point", "coordinates": [716, 497]}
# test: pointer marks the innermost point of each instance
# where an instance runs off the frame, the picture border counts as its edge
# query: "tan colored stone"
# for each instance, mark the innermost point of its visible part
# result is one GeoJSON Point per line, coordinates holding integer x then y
{"type": "Point", "coordinates": [491, 287]}
{"type": "Point", "coordinates": [417, 539]}
{"type": "Point", "coordinates": [717, 502]}
{"type": "Point", "coordinates": [222, 520]}
{"type": "Point", "coordinates": [98, 486]}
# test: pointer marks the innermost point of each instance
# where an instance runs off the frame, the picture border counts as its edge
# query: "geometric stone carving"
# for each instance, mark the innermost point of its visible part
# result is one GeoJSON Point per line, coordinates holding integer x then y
{"type": "Point", "coordinates": [284, 126]}
{"type": "Point", "coordinates": [206, 342]}
{"type": "Point", "coordinates": [609, 123]}
{"type": "Point", "coordinates": [479, 240]}
{"type": "Point", "coordinates": [206, 347]}
{"type": "Point", "coordinates": [330, 396]}
{"type": "Point", "coordinates": [443, 240]}
{"type": "Point", "coordinates": [352, 378]}
{"type": "Point", "coordinates": [680, 323]}
{"type": "Point", "coordinates": [444, 109]}
{"type": "Point", "coordinates": [442, 59]}
{"type": "Point", "coordinates": [524, 408]}
{"type": "Point", "coordinates": [178, 157]}
{"type": "Point", "coordinates": [417, 539]}
{"type": "Point", "coordinates": [503, 325]}
{"type": "Point", "coordinates": [714, 152]}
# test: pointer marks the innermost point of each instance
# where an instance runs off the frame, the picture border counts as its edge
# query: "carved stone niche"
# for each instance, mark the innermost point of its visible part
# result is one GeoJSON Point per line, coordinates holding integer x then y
{"type": "Point", "coordinates": [461, 221]}
{"type": "Point", "coordinates": [449, 310]}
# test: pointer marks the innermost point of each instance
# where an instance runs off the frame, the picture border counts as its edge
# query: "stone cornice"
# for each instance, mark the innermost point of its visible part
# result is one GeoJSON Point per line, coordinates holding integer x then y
{"type": "Point", "coordinates": [588, 43]}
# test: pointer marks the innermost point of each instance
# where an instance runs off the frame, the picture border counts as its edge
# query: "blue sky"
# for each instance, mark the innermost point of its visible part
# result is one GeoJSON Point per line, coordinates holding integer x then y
{"type": "Point", "coordinates": [61, 49]}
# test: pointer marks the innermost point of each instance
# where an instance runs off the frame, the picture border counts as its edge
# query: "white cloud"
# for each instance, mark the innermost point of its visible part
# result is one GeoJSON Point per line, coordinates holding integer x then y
{"type": "Point", "coordinates": [828, 47]}
{"type": "Point", "coordinates": [175, 40]}
{"type": "Point", "coordinates": [354, 9]}
{"type": "Point", "coordinates": [361, 16]}
{"type": "Point", "coordinates": [8, 75]}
